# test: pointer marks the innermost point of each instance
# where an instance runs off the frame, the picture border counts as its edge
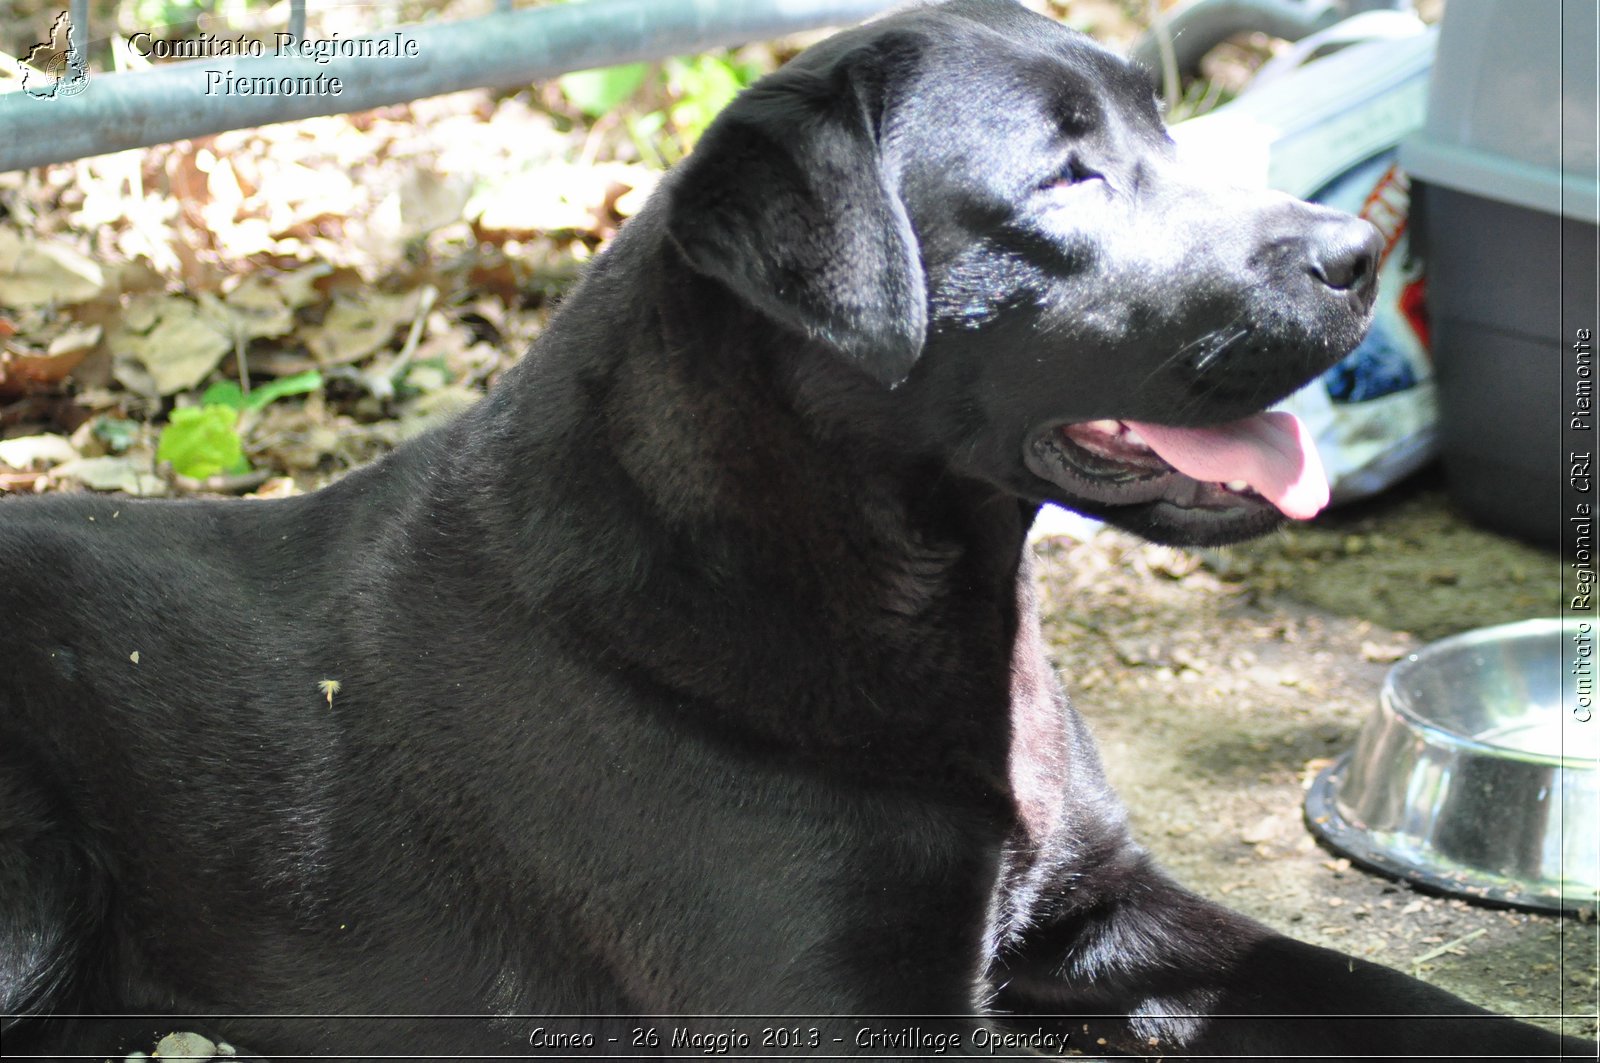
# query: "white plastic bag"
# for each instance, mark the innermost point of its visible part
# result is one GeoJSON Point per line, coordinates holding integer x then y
{"type": "Point", "coordinates": [1328, 132]}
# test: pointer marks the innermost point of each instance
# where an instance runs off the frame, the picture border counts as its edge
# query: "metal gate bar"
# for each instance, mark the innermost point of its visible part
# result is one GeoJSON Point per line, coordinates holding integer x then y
{"type": "Point", "coordinates": [189, 99]}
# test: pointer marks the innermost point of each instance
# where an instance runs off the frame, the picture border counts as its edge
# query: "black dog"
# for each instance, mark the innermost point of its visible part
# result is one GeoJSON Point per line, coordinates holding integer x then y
{"type": "Point", "coordinates": [694, 672]}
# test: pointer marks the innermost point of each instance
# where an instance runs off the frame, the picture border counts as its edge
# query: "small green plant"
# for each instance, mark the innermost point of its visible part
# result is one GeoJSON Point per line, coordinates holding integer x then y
{"type": "Point", "coordinates": [117, 434]}
{"type": "Point", "coordinates": [701, 87]}
{"type": "Point", "coordinates": [690, 92]}
{"type": "Point", "coordinates": [203, 441]}
{"type": "Point", "coordinates": [228, 393]}
{"type": "Point", "coordinates": [599, 92]}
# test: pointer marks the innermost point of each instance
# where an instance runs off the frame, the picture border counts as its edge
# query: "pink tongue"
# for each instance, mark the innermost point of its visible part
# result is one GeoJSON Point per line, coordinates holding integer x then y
{"type": "Point", "coordinates": [1272, 452]}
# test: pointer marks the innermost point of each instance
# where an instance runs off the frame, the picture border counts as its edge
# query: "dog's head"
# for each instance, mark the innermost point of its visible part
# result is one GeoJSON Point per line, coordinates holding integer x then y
{"type": "Point", "coordinates": [980, 210]}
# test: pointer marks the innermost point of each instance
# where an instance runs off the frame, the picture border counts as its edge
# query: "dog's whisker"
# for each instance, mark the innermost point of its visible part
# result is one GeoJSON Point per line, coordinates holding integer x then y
{"type": "Point", "coordinates": [1227, 339]}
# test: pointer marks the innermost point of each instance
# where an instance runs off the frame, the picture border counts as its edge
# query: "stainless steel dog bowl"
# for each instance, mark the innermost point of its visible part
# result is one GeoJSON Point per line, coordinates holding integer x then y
{"type": "Point", "coordinates": [1477, 775]}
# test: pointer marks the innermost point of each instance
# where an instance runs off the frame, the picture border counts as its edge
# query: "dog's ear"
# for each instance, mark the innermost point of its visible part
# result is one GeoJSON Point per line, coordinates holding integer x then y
{"type": "Point", "coordinates": [788, 201]}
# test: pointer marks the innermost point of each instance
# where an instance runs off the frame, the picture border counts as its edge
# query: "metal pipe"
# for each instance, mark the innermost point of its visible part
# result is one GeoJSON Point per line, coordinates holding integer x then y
{"type": "Point", "coordinates": [78, 18]}
{"type": "Point", "coordinates": [202, 96]}
{"type": "Point", "coordinates": [1197, 26]}
{"type": "Point", "coordinates": [1200, 25]}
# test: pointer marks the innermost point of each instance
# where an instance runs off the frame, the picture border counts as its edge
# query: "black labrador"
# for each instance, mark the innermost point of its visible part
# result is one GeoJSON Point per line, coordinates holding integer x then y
{"type": "Point", "coordinates": [694, 673]}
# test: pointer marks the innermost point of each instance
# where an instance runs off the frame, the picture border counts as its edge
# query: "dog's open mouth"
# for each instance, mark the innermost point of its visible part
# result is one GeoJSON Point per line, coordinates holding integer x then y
{"type": "Point", "coordinates": [1264, 459]}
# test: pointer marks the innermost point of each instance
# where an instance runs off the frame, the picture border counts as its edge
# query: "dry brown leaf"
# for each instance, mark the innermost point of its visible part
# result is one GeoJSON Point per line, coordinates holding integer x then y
{"type": "Point", "coordinates": [262, 305]}
{"type": "Point", "coordinates": [36, 452]}
{"type": "Point", "coordinates": [429, 200]}
{"type": "Point", "coordinates": [358, 324]}
{"type": "Point", "coordinates": [176, 340]}
{"type": "Point", "coordinates": [23, 369]}
{"type": "Point", "coordinates": [186, 180]}
{"type": "Point", "coordinates": [45, 273]}
{"type": "Point", "coordinates": [134, 278]}
{"type": "Point", "coordinates": [302, 194]}
{"type": "Point", "coordinates": [277, 487]}
{"type": "Point", "coordinates": [555, 197]}
{"type": "Point", "coordinates": [497, 274]}
{"type": "Point", "coordinates": [1383, 653]}
{"type": "Point", "coordinates": [128, 473]}
{"type": "Point", "coordinates": [246, 237]}
{"type": "Point", "coordinates": [299, 287]}
{"type": "Point", "coordinates": [255, 309]}
{"type": "Point", "coordinates": [223, 186]}
{"type": "Point", "coordinates": [22, 481]}
{"type": "Point", "coordinates": [77, 339]}
{"type": "Point", "coordinates": [633, 200]}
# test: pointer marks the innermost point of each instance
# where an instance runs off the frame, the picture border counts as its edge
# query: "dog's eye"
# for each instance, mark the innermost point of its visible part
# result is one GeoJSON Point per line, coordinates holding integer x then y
{"type": "Point", "coordinates": [1074, 173]}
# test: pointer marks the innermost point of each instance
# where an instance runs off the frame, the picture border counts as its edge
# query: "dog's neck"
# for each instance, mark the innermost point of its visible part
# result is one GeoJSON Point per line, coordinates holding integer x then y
{"type": "Point", "coordinates": [699, 424]}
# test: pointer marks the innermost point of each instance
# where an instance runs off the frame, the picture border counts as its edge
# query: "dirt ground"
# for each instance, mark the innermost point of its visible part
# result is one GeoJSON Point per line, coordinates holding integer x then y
{"type": "Point", "coordinates": [1219, 683]}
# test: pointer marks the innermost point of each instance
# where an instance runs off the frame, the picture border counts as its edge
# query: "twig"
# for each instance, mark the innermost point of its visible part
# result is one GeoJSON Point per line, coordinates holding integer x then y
{"type": "Point", "coordinates": [1433, 954]}
{"type": "Point", "coordinates": [381, 381]}
{"type": "Point", "coordinates": [424, 308]}
{"type": "Point", "coordinates": [239, 360]}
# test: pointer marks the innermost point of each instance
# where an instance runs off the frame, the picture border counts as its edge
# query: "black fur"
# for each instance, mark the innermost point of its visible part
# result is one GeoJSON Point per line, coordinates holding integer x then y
{"type": "Point", "coordinates": [695, 671]}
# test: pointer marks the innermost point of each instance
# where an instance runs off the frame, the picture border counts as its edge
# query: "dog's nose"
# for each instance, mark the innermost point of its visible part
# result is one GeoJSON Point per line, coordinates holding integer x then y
{"type": "Point", "coordinates": [1344, 255]}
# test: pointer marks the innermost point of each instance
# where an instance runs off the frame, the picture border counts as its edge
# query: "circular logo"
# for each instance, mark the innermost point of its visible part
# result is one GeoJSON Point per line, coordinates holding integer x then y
{"type": "Point", "coordinates": [68, 77]}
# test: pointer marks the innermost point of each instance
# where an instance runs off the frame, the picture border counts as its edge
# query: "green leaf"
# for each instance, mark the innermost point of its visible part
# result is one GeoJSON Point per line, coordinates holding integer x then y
{"type": "Point", "coordinates": [227, 393]}
{"type": "Point", "coordinates": [223, 393]}
{"type": "Point", "coordinates": [598, 92]}
{"type": "Point", "coordinates": [645, 132]}
{"type": "Point", "coordinates": [117, 434]}
{"type": "Point", "coordinates": [706, 84]}
{"type": "Point", "coordinates": [201, 442]}
{"type": "Point", "coordinates": [299, 384]}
